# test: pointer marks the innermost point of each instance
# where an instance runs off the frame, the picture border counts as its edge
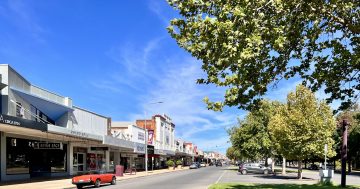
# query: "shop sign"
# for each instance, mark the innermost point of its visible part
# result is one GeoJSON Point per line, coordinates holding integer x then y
{"type": "Point", "coordinates": [19, 122]}
{"type": "Point", "coordinates": [150, 136]}
{"type": "Point", "coordinates": [150, 149]}
{"type": "Point", "coordinates": [79, 134]}
{"type": "Point", "coordinates": [99, 148]}
{"type": "Point", "coordinates": [129, 155]}
{"type": "Point", "coordinates": [139, 148]}
{"type": "Point", "coordinates": [48, 145]}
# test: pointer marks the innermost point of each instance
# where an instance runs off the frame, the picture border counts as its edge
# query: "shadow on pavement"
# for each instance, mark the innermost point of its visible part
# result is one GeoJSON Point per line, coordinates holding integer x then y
{"type": "Point", "coordinates": [282, 177]}
{"type": "Point", "coordinates": [274, 186]}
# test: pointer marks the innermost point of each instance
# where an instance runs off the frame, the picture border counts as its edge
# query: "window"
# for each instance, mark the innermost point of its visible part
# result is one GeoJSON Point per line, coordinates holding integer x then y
{"type": "Point", "coordinates": [19, 110]}
{"type": "Point", "coordinates": [17, 156]}
{"type": "Point", "coordinates": [167, 140]}
{"type": "Point", "coordinates": [141, 136]}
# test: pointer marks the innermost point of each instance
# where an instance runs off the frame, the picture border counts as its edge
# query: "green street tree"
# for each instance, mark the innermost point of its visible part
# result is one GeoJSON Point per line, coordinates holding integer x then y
{"type": "Point", "coordinates": [251, 136]}
{"type": "Point", "coordinates": [303, 126]}
{"type": "Point", "coordinates": [233, 154]}
{"type": "Point", "coordinates": [247, 46]}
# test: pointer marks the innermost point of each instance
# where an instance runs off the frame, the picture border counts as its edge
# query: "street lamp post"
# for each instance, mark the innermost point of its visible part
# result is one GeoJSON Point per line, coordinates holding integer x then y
{"type": "Point", "coordinates": [146, 139]}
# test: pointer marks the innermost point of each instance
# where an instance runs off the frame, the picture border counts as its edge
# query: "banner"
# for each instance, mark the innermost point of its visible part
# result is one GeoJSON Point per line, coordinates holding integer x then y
{"type": "Point", "coordinates": [150, 136]}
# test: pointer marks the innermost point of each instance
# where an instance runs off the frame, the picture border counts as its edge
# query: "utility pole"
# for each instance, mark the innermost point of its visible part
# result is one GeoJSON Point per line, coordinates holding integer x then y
{"type": "Point", "coordinates": [344, 153]}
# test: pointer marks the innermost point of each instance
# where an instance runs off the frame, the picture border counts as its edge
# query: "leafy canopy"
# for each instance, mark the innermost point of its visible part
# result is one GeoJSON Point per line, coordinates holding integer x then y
{"type": "Point", "coordinates": [248, 46]}
{"type": "Point", "coordinates": [251, 137]}
{"type": "Point", "coordinates": [303, 127]}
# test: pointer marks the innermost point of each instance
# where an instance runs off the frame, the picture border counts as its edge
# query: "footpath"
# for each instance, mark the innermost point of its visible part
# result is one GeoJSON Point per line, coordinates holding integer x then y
{"type": "Point", "coordinates": [66, 182]}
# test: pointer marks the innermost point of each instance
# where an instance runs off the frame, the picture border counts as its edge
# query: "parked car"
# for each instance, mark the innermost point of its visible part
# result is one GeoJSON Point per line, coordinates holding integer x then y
{"type": "Point", "coordinates": [198, 164]}
{"type": "Point", "coordinates": [218, 164]}
{"type": "Point", "coordinates": [193, 166]}
{"type": "Point", "coordinates": [95, 178]}
{"type": "Point", "coordinates": [313, 167]}
{"type": "Point", "coordinates": [253, 168]}
{"type": "Point", "coordinates": [202, 164]}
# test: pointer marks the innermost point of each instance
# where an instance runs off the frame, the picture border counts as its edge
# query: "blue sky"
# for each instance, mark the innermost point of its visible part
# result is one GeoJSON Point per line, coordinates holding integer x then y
{"type": "Point", "coordinates": [114, 58]}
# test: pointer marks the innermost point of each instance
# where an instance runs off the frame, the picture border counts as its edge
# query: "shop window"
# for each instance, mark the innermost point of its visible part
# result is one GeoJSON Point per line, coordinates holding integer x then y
{"type": "Point", "coordinates": [17, 156]}
{"type": "Point", "coordinates": [112, 161]}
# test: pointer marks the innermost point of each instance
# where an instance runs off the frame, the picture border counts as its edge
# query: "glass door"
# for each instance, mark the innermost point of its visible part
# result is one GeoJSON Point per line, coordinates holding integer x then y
{"type": "Point", "coordinates": [79, 162]}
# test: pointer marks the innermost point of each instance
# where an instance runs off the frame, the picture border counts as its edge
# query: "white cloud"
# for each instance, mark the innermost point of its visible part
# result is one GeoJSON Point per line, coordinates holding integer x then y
{"type": "Point", "coordinates": [22, 16]}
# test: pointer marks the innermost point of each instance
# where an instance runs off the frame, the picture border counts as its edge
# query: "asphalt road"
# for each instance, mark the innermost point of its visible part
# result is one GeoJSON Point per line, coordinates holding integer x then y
{"type": "Point", "coordinates": [204, 177]}
{"type": "Point", "coordinates": [189, 179]}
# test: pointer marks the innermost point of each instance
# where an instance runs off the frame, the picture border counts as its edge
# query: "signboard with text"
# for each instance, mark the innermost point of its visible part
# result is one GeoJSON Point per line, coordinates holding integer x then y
{"type": "Point", "coordinates": [48, 145]}
{"type": "Point", "coordinates": [20, 122]}
{"type": "Point", "coordinates": [150, 136]}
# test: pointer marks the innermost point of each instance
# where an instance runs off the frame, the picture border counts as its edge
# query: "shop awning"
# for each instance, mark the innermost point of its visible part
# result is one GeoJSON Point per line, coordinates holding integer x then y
{"type": "Point", "coordinates": [52, 109]}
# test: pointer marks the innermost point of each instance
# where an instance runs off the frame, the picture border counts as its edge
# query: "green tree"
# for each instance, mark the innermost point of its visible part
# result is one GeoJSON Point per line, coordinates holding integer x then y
{"type": "Point", "coordinates": [303, 126]}
{"type": "Point", "coordinates": [251, 136]}
{"type": "Point", "coordinates": [247, 46]}
{"type": "Point", "coordinates": [233, 154]}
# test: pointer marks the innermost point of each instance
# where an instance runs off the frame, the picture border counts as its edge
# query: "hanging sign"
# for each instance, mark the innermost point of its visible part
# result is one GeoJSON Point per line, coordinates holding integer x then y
{"type": "Point", "coordinates": [48, 145]}
{"type": "Point", "coordinates": [151, 136]}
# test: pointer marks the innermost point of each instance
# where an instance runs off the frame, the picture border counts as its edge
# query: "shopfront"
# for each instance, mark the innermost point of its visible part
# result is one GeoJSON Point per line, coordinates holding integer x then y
{"type": "Point", "coordinates": [37, 158]}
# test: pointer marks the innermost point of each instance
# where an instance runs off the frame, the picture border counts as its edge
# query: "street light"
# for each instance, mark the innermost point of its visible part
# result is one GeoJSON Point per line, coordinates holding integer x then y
{"type": "Point", "coordinates": [146, 138]}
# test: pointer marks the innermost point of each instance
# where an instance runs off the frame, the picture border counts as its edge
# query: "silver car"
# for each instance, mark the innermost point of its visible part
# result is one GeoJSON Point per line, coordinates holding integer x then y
{"type": "Point", "coordinates": [253, 168]}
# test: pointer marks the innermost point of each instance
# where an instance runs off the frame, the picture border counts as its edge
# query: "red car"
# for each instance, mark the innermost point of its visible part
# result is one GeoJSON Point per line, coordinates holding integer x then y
{"type": "Point", "coordinates": [94, 179]}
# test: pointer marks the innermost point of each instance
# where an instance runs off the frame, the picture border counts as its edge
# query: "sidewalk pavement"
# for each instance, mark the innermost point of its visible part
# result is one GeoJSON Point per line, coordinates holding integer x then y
{"type": "Point", "coordinates": [66, 183]}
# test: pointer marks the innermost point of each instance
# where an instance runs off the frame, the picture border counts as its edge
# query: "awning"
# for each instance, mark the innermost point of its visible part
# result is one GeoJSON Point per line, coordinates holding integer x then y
{"type": "Point", "coordinates": [52, 109]}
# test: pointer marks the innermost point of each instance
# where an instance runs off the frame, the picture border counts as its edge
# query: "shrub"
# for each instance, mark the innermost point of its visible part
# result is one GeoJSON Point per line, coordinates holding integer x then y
{"type": "Point", "coordinates": [178, 162]}
{"type": "Point", "coordinates": [170, 163]}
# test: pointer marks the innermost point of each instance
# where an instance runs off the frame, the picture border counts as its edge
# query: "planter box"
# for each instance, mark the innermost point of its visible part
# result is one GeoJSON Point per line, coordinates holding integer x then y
{"type": "Point", "coordinates": [179, 166]}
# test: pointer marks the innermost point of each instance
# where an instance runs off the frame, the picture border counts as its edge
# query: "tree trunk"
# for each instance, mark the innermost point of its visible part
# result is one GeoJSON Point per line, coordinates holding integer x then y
{"type": "Point", "coordinates": [334, 164]}
{"type": "Point", "coordinates": [266, 162]}
{"type": "Point", "coordinates": [299, 170]}
{"type": "Point", "coordinates": [273, 165]}
{"type": "Point", "coordinates": [283, 167]}
{"type": "Point", "coordinates": [305, 164]}
{"type": "Point", "coordinates": [349, 166]}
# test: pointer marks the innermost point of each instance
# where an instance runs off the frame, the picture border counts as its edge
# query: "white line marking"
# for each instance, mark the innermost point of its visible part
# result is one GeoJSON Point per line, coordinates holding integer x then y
{"type": "Point", "coordinates": [220, 177]}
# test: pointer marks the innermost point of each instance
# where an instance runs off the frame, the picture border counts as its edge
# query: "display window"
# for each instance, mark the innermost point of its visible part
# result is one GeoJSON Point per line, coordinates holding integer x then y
{"type": "Point", "coordinates": [22, 157]}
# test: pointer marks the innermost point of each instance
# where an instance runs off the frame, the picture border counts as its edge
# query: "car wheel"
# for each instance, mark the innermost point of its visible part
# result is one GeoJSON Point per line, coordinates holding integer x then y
{"type": "Point", "coordinates": [79, 186]}
{"type": "Point", "coordinates": [243, 172]}
{"type": "Point", "coordinates": [97, 183]}
{"type": "Point", "coordinates": [113, 181]}
{"type": "Point", "coordinates": [266, 172]}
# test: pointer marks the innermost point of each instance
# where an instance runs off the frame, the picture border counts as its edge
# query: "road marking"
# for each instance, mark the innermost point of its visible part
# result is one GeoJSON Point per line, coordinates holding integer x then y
{"type": "Point", "coordinates": [220, 177]}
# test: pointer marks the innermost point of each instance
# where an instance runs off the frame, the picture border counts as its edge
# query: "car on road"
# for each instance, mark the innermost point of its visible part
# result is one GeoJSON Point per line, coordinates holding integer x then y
{"type": "Point", "coordinates": [198, 164]}
{"type": "Point", "coordinates": [202, 164]}
{"type": "Point", "coordinates": [193, 166]}
{"type": "Point", "coordinates": [253, 168]}
{"type": "Point", "coordinates": [313, 167]}
{"type": "Point", "coordinates": [218, 164]}
{"type": "Point", "coordinates": [95, 179]}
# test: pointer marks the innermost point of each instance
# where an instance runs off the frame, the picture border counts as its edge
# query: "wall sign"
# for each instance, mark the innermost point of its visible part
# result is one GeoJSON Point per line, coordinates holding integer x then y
{"type": "Point", "coordinates": [99, 148]}
{"type": "Point", "coordinates": [150, 149]}
{"type": "Point", "coordinates": [19, 122]}
{"type": "Point", "coordinates": [48, 145]}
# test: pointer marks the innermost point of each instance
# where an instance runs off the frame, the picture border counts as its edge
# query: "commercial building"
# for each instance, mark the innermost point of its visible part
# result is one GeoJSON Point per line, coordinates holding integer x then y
{"type": "Point", "coordinates": [134, 157]}
{"type": "Point", "coordinates": [161, 135]}
{"type": "Point", "coordinates": [42, 134]}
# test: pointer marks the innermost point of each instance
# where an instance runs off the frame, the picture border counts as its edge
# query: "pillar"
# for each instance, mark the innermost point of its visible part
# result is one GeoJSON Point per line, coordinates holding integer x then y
{"type": "Point", "coordinates": [70, 158]}
{"type": "Point", "coordinates": [107, 160]}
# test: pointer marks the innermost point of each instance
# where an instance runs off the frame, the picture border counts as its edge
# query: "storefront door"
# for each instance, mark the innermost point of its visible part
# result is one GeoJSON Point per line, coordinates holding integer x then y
{"type": "Point", "coordinates": [79, 162]}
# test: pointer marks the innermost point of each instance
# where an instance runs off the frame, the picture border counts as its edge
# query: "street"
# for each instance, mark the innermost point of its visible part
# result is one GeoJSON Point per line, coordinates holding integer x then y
{"type": "Point", "coordinates": [202, 178]}
{"type": "Point", "coordinates": [189, 179]}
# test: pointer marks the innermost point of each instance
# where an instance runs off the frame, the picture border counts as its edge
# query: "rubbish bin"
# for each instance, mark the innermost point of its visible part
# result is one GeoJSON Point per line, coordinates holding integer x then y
{"type": "Point", "coordinates": [326, 175]}
{"type": "Point", "coordinates": [119, 170]}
